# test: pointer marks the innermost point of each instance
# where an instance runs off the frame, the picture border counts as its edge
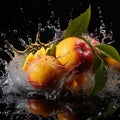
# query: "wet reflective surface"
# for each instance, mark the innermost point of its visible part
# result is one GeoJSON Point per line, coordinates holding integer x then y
{"type": "Point", "coordinates": [75, 108]}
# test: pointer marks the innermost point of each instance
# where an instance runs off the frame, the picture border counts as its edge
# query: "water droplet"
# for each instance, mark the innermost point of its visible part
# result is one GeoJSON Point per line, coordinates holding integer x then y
{"type": "Point", "coordinates": [3, 35]}
{"type": "Point", "coordinates": [30, 40]}
{"type": "Point", "coordinates": [1, 49]}
{"type": "Point", "coordinates": [52, 14]}
{"type": "Point", "coordinates": [15, 31]}
{"type": "Point", "coordinates": [23, 43]}
{"type": "Point", "coordinates": [42, 30]}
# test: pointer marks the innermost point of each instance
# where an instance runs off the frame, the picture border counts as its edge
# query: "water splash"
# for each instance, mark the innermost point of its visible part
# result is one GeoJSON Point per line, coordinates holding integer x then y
{"type": "Point", "coordinates": [16, 91]}
{"type": "Point", "coordinates": [15, 81]}
{"type": "Point", "coordinates": [104, 34]}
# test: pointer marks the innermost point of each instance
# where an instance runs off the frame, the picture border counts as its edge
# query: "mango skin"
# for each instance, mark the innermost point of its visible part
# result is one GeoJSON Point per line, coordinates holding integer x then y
{"type": "Point", "coordinates": [28, 59]}
{"type": "Point", "coordinates": [32, 57]}
{"type": "Point", "coordinates": [75, 54]}
{"type": "Point", "coordinates": [45, 72]}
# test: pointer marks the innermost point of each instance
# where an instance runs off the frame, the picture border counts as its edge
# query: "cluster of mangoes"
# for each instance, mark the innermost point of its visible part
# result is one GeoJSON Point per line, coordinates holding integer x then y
{"type": "Point", "coordinates": [71, 60]}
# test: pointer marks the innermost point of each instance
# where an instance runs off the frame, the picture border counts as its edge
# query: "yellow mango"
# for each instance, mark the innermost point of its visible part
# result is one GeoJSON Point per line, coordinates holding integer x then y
{"type": "Point", "coordinates": [28, 59]}
{"type": "Point", "coordinates": [40, 52]}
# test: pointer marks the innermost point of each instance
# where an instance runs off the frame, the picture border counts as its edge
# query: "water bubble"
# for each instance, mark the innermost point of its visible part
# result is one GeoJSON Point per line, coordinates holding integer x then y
{"type": "Point", "coordinates": [99, 114]}
{"type": "Point", "coordinates": [52, 14]}
{"type": "Point", "coordinates": [15, 31]}
{"type": "Point", "coordinates": [29, 40]}
{"type": "Point", "coordinates": [100, 11]}
{"type": "Point", "coordinates": [1, 49]}
{"type": "Point", "coordinates": [42, 30]}
{"type": "Point", "coordinates": [21, 9]}
{"type": "Point", "coordinates": [3, 35]}
{"type": "Point", "coordinates": [49, 3]}
{"type": "Point", "coordinates": [39, 27]}
{"type": "Point", "coordinates": [30, 21]}
{"type": "Point", "coordinates": [8, 53]}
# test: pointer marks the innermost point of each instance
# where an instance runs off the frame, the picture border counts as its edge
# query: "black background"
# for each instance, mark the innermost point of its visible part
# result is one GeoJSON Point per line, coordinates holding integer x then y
{"type": "Point", "coordinates": [24, 15]}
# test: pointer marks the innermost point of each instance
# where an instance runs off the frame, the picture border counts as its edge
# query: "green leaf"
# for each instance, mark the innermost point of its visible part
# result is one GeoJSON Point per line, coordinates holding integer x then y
{"type": "Point", "coordinates": [78, 25]}
{"type": "Point", "coordinates": [109, 51]}
{"type": "Point", "coordinates": [100, 78]}
{"type": "Point", "coordinates": [96, 63]}
{"type": "Point", "coordinates": [51, 51]}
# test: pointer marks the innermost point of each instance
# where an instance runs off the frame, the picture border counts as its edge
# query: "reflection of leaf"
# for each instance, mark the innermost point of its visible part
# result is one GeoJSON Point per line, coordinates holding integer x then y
{"type": "Point", "coordinates": [100, 78]}
{"type": "Point", "coordinates": [111, 108]}
{"type": "Point", "coordinates": [78, 25]}
{"type": "Point", "coordinates": [109, 51]}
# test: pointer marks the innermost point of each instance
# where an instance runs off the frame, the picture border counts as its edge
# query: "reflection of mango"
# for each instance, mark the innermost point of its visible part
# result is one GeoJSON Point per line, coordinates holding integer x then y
{"type": "Point", "coordinates": [113, 63]}
{"type": "Point", "coordinates": [74, 53]}
{"type": "Point", "coordinates": [45, 72]}
{"type": "Point", "coordinates": [40, 107]}
{"type": "Point", "coordinates": [65, 116]}
{"type": "Point", "coordinates": [65, 112]}
{"type": "Point", "coordinates": [46, 108]}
